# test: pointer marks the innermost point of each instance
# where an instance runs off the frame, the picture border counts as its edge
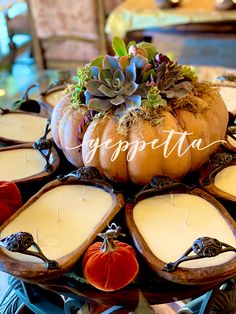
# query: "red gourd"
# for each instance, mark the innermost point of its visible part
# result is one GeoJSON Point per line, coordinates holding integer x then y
{"type": "Point", "coordinates": [10, 199]}
{"type": "Point", "coordinates": [110, 265]}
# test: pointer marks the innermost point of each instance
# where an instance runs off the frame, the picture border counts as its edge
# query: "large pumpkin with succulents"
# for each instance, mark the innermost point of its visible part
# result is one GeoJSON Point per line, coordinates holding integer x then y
{"type": "Point", "coordinates": [138, 114]}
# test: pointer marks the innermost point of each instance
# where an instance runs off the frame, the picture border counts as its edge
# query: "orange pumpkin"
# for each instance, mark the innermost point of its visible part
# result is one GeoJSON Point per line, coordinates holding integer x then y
{"type": "Point", "coordinates": [110, 265]}
{"type": "Point", "coordinates": [10, 199]}
{"type": "Point", "coordinates": [209, 125]}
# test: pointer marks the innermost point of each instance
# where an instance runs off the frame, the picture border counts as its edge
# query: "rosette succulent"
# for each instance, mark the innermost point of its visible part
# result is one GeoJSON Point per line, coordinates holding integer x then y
{"type": "Point", "coordinates": [111, 86]}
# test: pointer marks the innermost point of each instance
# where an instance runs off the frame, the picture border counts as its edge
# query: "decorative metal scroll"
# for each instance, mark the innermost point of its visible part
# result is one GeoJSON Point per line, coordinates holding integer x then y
{"type": "Point", "coordinates": [160, 184]}
{"type": "Point", "coordinates": [44, 146]}
{"type": "Point", "coordinates": [202, 247]}
{"type": "Point", "coordinates": [83, 173]}
{"type": "Point", "coordinates": [20, 242]}
{"type": "Point", "coordinates": [88, 174]}
{"type": "Point", "coordinates": [218, 161]}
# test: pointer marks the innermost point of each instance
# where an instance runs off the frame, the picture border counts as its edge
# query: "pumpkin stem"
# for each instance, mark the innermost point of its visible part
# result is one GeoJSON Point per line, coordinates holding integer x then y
{"type": "Point", "coordinates": [112, 232]}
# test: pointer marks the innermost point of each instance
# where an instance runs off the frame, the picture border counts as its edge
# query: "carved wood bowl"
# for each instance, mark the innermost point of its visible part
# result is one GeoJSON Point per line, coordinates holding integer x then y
{"type": "Point", "coordinates": [181, 275]}
{"type": "Point", "coordinates": [6, 140]}
{"type": "Point", "coordinates": [230, 144]}
{"type": "Point", "coordinates": [45, 271]}
{"type": "Point", "coordinates": [208, 172]}
{"type": "Point", "coordinates": [50, 97]}
{"type": "Point", "coordinates": [50, 168]}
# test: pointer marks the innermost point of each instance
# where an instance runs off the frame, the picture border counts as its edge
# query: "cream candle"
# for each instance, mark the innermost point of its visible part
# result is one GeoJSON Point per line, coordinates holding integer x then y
{"type": "Point", "coordinates": [20, 163]}
{"type": "Point", "coordinates": [226, 180]}
{"type": "Point", "coordinates": [170, 230]}
{"type": "Point", "coordinates": [228, 94]}
{"type": "Point", "coordinates": [22, 127]}
{"type": "Point", "coordinates": [231, 141]}
{"type": "Point", "coordinates": [54, 97]}
{"type": "Point", "coordinates": [61, 220]}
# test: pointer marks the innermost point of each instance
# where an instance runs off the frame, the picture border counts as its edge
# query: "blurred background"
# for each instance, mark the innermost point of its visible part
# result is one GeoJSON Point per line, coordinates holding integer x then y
{"type": "Point", "coordinates": [44, 40]}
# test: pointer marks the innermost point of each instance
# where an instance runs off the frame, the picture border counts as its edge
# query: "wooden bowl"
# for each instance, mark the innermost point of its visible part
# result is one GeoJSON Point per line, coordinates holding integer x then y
{"type": "Point", "coordinates": [5, 139]}
{"type": "Point", "coordinates": [208, 172]}
{"type": "Point", "coordinates": [47, 172]}
{"type": "Point", "coordinates": [50, 97]}
{"type": "Point", "coordinates": [181, 275]}
{"type": "Point", "coordinates": [38, 272]}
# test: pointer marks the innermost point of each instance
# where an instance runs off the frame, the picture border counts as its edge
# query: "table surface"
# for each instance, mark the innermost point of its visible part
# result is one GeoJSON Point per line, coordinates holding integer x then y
{"type": "Point", "coordinates": [145, 14]}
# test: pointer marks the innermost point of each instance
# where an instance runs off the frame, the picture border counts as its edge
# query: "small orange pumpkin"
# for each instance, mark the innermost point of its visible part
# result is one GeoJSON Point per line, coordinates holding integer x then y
{"type": "Point", "coordinates": [110, 265]}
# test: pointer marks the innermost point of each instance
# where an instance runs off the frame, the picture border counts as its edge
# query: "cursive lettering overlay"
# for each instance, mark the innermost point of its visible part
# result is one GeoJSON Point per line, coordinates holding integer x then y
{"type": "Point", "coordinates": [139, 145]}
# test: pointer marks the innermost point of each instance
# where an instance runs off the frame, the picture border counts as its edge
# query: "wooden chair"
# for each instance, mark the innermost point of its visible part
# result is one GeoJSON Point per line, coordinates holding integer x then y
{"type": "Point", "coordinates": [67, 33]}
{"type": "Point", "coordinates": [17, 25]}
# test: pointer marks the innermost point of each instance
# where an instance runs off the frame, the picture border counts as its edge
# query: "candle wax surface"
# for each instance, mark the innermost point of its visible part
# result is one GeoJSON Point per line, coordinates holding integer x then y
{"type": "Point", "coordinates": [226, 180]}
{"type": "Point", "coordinates": [22, 127]}
{"type": "Point", "coordinates": [20, 163]}
{"type": "Point", "coordinates": [231, 141]}
{"type": "Point", "coordinates": [54, 97]}
{"type": "Point", "coordinates": [170, 230]}
{"type": "Point", "coordinates": [228, 94]}
{"type": "Point", "coordinates": [77, 219]}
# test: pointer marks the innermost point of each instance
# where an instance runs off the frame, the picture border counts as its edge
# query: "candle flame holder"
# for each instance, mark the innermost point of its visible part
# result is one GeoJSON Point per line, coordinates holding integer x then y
{"type": "Point", "coordinates": [202, 247]}
{"type": "Point", "coordinates": [21, 241]}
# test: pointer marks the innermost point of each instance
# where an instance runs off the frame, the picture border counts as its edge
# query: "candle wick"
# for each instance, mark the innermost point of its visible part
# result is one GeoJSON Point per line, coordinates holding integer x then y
{"type": "Point", "coordinates": [172, 199]}
{"type": "Point", "coordinates": [37, 235]}
{"type": "Point", "coordinates": [58, 212]}
{"type": "Point", "coordinates": [186, 218]}
{"type": "Point", "coordinates": [82, 195]}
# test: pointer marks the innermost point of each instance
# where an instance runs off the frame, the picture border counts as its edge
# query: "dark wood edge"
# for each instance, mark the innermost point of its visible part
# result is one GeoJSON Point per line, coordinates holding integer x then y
{"type": "Point", "coordinates": [10, 141]}
{"type": "Point", "coordinates": [34, 272]}
{"type": "Point", "coordinates": [183, 275]}
{"type": "Point", "coordinates": [41, 175]}
{"type": "Point", "coordinates": [211, 188]}
{"type": "Point", "coordinates": [43, 96]}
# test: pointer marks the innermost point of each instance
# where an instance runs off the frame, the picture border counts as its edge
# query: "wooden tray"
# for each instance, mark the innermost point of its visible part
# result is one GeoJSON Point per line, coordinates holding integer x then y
{"type": "Point", "coordinates": [37, 272]}
{"type": "Point", "coordinates": [182, 275]}
{"type": "Point", "coordinates": [208, 172]}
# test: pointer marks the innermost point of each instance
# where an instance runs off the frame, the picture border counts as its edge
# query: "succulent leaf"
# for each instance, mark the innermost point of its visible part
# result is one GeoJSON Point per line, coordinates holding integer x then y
{"type": "Point", "coordinates": [98, 104]}
{"type": "Point", "coordinates": [97, 61]}
{"type": "Point", "coordinates": [134, 100]}
{"type": "Point", "coordinates": [119, 47]}
{"type": "Point", "coordinates": [93, 87]}
{"type": "Point", "coordinates": [110, 63]}
{"type": "Point", "coordinates": [118, 100]}
{"type": "Point", "coordinates": [107, 91]}
{"type": "Point", "coordinates": [131, 72]}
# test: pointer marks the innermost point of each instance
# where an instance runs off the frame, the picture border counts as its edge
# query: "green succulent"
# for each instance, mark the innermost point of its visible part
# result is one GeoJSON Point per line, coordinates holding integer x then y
{"type": "Point", "coordinates": [110, 86]}
{"type": "Point", "coordinates": [154, 99]}
{"type": "Point", "coordinates": [171, 79]}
